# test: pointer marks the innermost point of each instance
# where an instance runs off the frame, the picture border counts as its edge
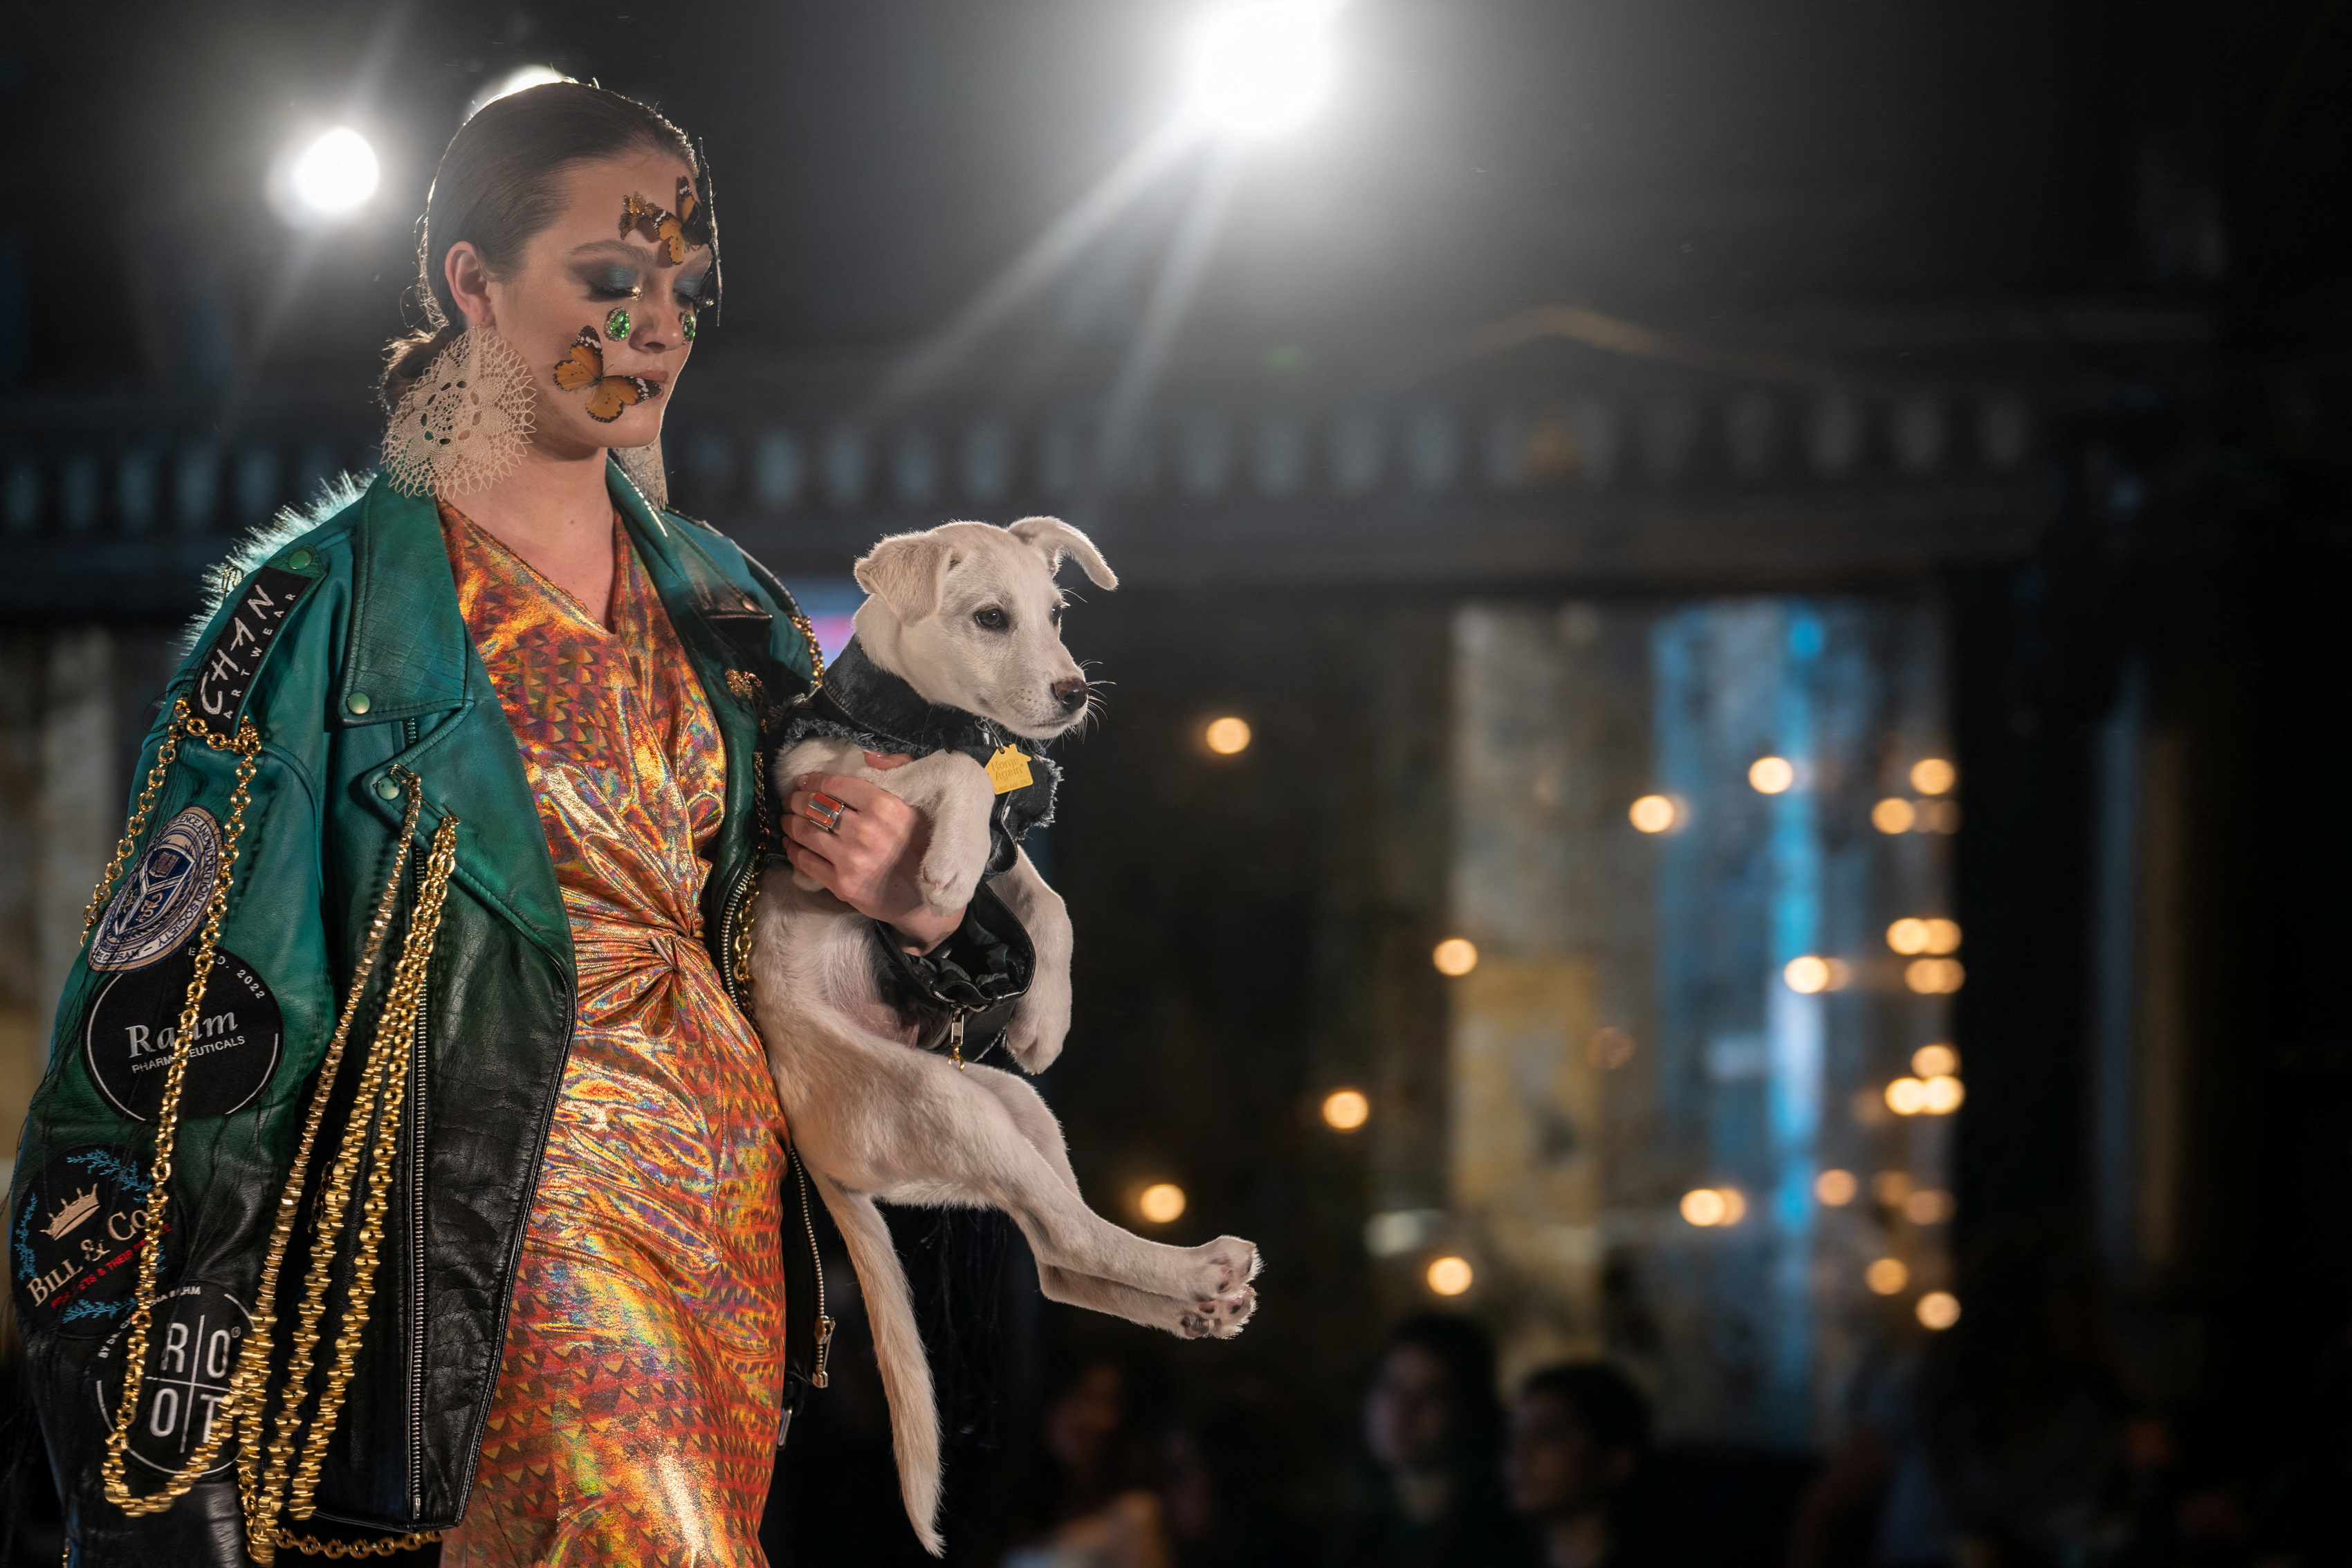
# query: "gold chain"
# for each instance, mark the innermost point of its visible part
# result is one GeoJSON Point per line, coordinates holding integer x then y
{"type": "Point", "coordinates": [387, 1075]}
{"type": "Point", "coordinates": [380, 1081]}
{"type": "Point", "coordinates": [247, 746]}
{"type": "Point", "coordinates": [815, 654]}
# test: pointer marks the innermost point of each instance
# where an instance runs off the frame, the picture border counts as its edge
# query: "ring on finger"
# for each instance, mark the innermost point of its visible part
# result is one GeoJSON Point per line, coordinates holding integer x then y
{"type": "Point", "coordinates": [825, 810]}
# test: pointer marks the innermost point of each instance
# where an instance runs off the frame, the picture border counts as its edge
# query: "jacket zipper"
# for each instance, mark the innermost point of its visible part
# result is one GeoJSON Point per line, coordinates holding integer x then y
{"type": "Point", "coordinates": [419, 1052]}
{"type": "Point", "coordinates": [818, 1376]}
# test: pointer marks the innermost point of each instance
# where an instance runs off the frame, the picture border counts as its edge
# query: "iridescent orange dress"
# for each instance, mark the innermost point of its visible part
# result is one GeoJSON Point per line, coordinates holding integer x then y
{"type": "Point", "coordinates": [637, 1404]}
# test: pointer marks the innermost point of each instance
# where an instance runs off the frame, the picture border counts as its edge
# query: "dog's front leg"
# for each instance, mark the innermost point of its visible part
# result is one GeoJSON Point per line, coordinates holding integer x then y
{"type": "Point", "coordinates": [953, 792]}
{"type": "Point", "coordinates": [1041, 1020]}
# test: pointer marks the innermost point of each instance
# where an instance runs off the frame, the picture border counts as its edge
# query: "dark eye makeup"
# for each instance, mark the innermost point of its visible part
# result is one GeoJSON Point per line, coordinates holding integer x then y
{"type": "Point", "coordinates": [615, 282]}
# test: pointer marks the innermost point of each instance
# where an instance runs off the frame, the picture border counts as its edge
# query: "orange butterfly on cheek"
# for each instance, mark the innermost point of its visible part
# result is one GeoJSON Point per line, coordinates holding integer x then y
{"type": "Point", "coordinates": [583, 368]}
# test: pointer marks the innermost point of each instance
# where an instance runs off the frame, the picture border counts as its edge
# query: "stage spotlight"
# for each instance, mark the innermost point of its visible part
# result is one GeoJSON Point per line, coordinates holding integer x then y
{"type": "Point", "coordinates": [1261, 67]}
{"type": "Point", "coordinates": [334, 175]}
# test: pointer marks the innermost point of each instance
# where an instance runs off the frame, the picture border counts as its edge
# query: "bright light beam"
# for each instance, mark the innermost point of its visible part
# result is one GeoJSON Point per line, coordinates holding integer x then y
{"type": "Point", "coordinates": [335, 173]}
{"type": "Point", "coordinates": [1035, 267]}
{"type": "Point", "coordinates": [1261, 67]}
{"type": "Point", "coordinates": [1171, 296]}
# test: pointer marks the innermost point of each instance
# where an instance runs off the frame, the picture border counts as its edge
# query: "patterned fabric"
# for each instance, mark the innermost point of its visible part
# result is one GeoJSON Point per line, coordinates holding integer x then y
{"type": "Point", "coordinates": [638, 1400]}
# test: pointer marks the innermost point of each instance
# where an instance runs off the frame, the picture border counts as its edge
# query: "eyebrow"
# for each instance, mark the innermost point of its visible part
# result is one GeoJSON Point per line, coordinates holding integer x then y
{"type": "Point", "coordinates": [637, 254]}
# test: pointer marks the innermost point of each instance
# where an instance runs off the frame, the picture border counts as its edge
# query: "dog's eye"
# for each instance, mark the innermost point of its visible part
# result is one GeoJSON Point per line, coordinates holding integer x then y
{"type": "Point", "coordinates": [1054, 615]}
{"type": "Point", "coordinates": [991, 619]}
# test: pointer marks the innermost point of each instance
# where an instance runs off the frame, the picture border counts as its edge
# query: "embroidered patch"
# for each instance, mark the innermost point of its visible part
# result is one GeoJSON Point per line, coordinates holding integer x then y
{"type": "Point", "coordinates": [128, 1041]}
{"type": "Point", "coordinates": [74, 1240]}
{"type": "Point", "coordinates": [1008, 769]}
{"type": "Point", "coordinates": [192, 1348]}
{"type": "Point", "coordinates": [152, 913]}
{"type": "Point", "coordinates": [226, 668]}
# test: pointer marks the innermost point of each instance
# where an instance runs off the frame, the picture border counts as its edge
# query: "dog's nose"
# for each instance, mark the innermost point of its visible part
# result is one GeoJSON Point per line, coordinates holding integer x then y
{"type": "Point", "coordinates": [1071, 692]}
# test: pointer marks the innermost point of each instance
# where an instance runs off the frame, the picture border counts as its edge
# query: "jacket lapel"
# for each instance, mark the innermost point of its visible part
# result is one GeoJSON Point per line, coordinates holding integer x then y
{"type": "Point", "coordinates": [411, 663]}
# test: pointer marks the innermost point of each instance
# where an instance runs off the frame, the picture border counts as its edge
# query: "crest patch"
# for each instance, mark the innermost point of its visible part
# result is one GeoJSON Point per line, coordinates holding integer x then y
{"type": "Point", "coordinates": [153, 911]}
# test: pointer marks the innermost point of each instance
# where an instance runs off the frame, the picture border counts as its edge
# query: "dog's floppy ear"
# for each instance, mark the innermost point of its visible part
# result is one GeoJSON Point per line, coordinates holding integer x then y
{"type": "Point", "coordinates": [1054, 539]}
{"type": "Point", "coordinates": [907, 572]}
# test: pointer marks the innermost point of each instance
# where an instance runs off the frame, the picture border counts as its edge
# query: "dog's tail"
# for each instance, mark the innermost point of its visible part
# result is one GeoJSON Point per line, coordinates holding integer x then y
{"type": "Point", "coordinates": [898, 1349]}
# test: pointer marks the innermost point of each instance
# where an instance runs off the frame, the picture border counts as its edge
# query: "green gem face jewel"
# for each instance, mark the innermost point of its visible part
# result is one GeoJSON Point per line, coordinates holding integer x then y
{"type": "Point", "coordinates": [616, 325]}
{"type": "Point", "coordinates": [689, 323]}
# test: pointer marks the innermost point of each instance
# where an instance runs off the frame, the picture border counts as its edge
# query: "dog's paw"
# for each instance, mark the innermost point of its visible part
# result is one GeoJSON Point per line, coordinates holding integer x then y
{"type": "Point", "coordinates": [1223, 1267]}
{"type": "Point", "coordinates": [1225, 1317]}
{"type": "Point", "coordinates": [1035, 1035]}
{"type": "Point", "coordinates": [946, 887]}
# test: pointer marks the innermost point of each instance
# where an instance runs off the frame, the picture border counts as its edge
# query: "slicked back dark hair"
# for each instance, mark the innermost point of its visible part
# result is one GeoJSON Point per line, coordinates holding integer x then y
{"type": "Point", "coordinates": [498, 187]}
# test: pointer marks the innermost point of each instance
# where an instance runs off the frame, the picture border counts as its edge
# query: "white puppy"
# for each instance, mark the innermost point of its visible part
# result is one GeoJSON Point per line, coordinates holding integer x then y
{"type": "Point", "coordinates": [969, 616]}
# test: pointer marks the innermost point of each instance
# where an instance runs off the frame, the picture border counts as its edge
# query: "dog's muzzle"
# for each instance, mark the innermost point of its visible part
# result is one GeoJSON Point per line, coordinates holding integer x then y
{"type": "Point", "coordinates": [825, 810]}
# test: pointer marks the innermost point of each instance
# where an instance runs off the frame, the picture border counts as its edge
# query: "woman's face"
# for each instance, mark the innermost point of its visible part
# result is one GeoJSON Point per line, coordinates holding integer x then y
{"type": "Point", "coordinates": [573, 274]}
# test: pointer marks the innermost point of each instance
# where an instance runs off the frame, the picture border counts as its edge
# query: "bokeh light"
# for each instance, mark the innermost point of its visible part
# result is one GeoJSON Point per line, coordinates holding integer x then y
{"type": "Point", "coordinates": [1908, 936]}
{"type": "Point", "coordinates": [1771, 775]}
{"type": "Point", "coordinates": [1891, 1187]}
{"type": "Point", "coordinates": [1933, 776]}
{"type": "Point", "coordinates": [1940, 1096]}
{"type": "Point", "coordinates": [1939, 816]}
{"type": "Point", "coordinates": [1345, 1110]}
{"type": "Point", "coordinates": [1456, 955]}
{"type": "Point", "coordinates": [1928, 1206]}
{"type": "Point", "coordinates": [1161, 1203]}
{"type": "Point", "coordinates": [1835, 1188]}
{"type": "Point", "coordinates": [1893, 815]}
{"type": "Point", "coordinates": [1610, 1048]}
{"type": "Point", "coordinates": [1228, 736]}
{"type": "Point", "coordinates": [1887, 1276]}
{"type": "Point", "coordinates": [1711, 1207]}
{"type": "Point", "coordinates": [334, 175]}
{"type": "Point", "coordinates": [1450, 1275]}
{"type": "Point", "coordinates": [1934, 976]}
{"type": "Point", "coordinates": [1653, 813]}
{"type": "Point", "coordinates": [1906, 1096]}
{"type": "Point", "coordinates": [1938, 1310]}
{"type": "Point", "coordinates": [1934, 1061]}
{"type": "Point", "coordinates": [1943, 936]}
{"type": "Point", "coordinates": [1812, 973]}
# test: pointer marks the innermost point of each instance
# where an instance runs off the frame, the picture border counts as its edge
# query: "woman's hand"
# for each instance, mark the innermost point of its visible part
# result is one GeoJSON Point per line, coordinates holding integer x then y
{"type": "Point", "coordinates": [868, 860]}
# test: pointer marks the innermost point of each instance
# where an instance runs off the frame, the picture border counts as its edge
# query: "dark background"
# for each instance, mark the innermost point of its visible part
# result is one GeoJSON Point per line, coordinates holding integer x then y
{"type": "Point", "coordinates": [1960, 182]}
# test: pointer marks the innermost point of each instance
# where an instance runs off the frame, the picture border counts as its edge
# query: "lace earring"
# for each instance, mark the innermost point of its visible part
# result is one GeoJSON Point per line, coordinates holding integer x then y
{"type": "Point", "coordinates": [462, 426]}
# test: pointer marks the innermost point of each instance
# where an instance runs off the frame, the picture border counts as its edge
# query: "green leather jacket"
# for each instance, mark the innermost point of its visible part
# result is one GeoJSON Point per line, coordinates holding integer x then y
{"type": "Point", "coordinates": [371, 670]}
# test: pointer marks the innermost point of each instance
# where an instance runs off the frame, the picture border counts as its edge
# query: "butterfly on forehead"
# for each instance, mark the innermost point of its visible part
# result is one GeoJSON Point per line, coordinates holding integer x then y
{"type": "Point", "coordinates": [671, 233]}
{"type": "Point", "coordinates": [583, 366]}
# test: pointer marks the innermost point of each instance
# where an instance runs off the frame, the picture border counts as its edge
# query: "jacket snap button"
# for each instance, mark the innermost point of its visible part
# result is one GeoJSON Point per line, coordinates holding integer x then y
{"type": "Point", "coordinates": [388, 786]}
{"type": "Point", "coordinates": [297, 561]}
{"type": "Point", "coordinates": [357, 701]}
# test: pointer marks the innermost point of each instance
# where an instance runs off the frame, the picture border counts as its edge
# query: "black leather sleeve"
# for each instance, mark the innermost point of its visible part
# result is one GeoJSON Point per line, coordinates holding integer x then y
{"type": "Point", "coordinates": [983, 967]}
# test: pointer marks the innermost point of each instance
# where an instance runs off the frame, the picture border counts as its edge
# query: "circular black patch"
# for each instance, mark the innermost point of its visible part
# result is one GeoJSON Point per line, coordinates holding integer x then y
{"type": "Point", "coordinates": [128, 1040]}
{"type": "Point", "coordinates": [74, 1240]}
{"type": "Point", "coordinates": [192, 1343]}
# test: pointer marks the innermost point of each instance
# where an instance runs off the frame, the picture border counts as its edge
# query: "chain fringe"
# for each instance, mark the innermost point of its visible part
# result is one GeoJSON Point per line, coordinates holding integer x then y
{"type": "Point", "coordinates": [377, 1109]}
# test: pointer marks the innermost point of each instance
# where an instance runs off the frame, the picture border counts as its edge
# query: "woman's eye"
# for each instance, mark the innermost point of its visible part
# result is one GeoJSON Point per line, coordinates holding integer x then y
{"type": "Point", "coordinates": [991, 619]}
{"type": "Point", "coordinates": [614, 283]}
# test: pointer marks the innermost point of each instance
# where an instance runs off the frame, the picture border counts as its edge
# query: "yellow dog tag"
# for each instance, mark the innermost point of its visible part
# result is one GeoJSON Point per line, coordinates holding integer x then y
{"type": "Point", "coordinates": [1008, 770]}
